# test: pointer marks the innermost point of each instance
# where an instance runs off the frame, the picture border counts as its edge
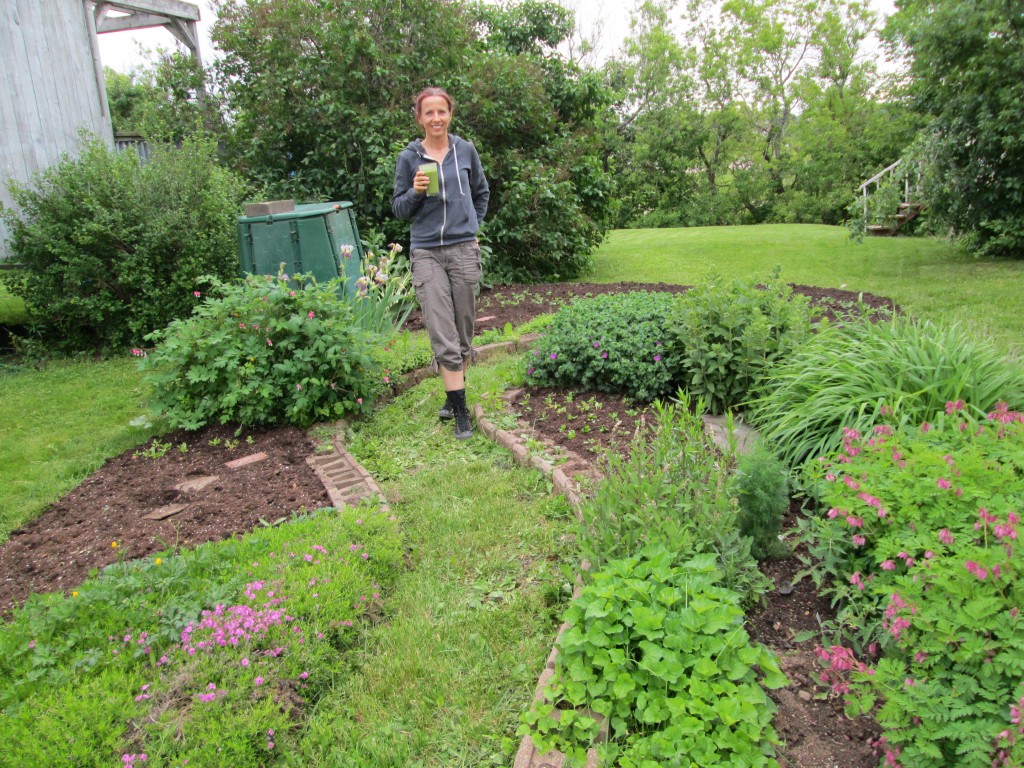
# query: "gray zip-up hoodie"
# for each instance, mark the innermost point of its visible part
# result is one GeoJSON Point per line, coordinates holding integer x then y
{"type": "Point", "coordinates": [454, 214]}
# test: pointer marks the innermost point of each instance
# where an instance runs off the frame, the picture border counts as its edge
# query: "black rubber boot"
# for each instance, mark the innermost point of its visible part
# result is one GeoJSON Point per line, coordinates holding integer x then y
{"type": "Point", "coordinates": [446, 413]}
{"type": "Point", "coordinates": [463, 426]}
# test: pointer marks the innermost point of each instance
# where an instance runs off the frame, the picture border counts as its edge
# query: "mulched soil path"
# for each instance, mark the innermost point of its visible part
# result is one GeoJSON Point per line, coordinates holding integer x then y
{"type": "Point", "coordinates": [57, 551]}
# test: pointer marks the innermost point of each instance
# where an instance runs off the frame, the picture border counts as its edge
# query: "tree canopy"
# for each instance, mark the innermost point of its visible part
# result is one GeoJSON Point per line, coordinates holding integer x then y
{"type": "Point", "coordinates": [967, 74]}
{"type": "Point", "coordinates": [320, 97]}
{"type": "Point", "coordinates": [712, 112]}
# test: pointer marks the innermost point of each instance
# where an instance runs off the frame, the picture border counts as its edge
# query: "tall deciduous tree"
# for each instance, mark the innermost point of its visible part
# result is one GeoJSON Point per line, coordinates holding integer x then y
{"type": "Point", "coordinates": [967, 70]}
{"type": "Point", "coordinates": [779, 119]}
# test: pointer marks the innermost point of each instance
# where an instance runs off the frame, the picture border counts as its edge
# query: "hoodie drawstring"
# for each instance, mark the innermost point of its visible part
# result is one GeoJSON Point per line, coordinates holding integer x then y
{"type": "Point", "coordinates": [458, 175]}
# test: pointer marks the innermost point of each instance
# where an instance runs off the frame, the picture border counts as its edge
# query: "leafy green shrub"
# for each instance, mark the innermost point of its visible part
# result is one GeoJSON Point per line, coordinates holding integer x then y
{"type": "Point", "coordinates": [920, 546]}
{"type": "Point", "coordinates": [761, 485]}
{"type": "Point", "coordinates": [113, 247]}
{"type": "Point", "coordinates": [610, 343]}
{"type": "Point", "coordinates": [723, 337]}
{"type": "Point", "coordinates": [658, 649]}
{"type": "Point", "coordinates": [265, 350]}
{"type": "Point", "coordinates": [848, 376]}
{"type": "Point", "coordinates": [671, 490]}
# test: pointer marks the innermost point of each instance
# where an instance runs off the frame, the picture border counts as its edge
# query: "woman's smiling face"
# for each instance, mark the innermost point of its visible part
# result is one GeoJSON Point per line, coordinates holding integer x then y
{"type": "Point", "coordinates": [434, 116]}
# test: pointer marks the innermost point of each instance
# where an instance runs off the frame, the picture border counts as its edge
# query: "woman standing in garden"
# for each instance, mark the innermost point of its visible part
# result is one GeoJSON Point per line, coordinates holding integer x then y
{"type": "Point", "coordinates": [440, 185]}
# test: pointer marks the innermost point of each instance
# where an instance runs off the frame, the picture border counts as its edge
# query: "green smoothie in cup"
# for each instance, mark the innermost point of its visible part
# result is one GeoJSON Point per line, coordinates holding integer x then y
{"type": "Point", "coordinates": [431, 170]}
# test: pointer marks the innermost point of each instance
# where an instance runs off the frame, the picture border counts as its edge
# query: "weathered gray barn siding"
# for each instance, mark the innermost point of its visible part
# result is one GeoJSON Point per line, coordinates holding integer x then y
{"type": "Point", "coordinates": [50, 88]}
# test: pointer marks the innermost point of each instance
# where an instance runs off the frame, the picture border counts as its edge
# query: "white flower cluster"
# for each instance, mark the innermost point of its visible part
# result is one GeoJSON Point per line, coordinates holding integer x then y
{"type": "Point", "coordinates": [376, 270]}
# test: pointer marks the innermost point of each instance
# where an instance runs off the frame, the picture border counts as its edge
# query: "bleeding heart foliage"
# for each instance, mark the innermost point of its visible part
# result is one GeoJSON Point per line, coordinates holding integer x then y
{"type": "Point", "coordinates": [919, 543]}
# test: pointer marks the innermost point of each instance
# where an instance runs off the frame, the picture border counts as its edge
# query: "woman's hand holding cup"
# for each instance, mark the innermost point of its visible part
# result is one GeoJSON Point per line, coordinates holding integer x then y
{"type": "Point", "coordinates": [420, 182]}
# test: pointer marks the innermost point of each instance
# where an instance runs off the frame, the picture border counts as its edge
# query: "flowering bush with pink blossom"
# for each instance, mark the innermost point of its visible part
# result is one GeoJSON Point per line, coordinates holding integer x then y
{"type": "Point", "coordinates": [919, 543]}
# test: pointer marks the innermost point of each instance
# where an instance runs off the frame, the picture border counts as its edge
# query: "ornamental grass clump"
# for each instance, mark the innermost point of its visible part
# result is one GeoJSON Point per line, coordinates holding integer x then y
{"type": "Point", "coordinates": [724, 337]}
{"type": "Point", "coordinates": [919, 544]}
{"type": "Point", "coordinates": [611, 343]}
{"type": "Point", "coordinates": [845, 375]}
{"type": "Point", "coordinates": [657, 650]}
{"type": "Point", "coordinates": [264, 350]}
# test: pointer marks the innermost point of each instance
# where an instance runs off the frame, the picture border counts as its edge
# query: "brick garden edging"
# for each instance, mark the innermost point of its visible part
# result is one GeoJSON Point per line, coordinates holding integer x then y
{"type": "Point", "coordinates": [528, 756]}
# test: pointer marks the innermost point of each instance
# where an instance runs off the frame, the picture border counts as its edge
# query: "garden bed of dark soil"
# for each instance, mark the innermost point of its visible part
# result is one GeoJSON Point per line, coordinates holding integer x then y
{"type": "Point", "coordinates": [516, 304]}
{"type": "Point", "coordinates": [118, 503]}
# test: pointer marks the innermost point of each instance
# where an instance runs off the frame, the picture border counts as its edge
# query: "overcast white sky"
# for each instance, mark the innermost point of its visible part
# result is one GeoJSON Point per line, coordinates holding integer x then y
{"type": "Point", "coordinates": [607, 19]}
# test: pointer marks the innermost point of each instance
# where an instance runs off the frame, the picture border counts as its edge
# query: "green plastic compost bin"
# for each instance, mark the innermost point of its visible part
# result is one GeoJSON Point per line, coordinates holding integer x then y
{"type": "Point", "coordinates": [308, 240]}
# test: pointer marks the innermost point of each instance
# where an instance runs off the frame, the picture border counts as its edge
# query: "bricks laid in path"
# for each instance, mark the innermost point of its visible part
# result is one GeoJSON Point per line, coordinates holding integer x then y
{"type": "Point", "coordinates": [245, 460]}
{"type": "Point", "coordinates": [346, 481]}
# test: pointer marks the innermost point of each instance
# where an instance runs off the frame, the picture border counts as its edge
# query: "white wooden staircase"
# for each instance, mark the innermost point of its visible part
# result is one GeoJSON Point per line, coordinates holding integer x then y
{"type": "Point", "coordinates": [883, 221]}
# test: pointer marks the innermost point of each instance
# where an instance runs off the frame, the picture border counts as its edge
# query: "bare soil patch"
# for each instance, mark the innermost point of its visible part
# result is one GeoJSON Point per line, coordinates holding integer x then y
{"type": "Point", "coordinates": [58, 550]}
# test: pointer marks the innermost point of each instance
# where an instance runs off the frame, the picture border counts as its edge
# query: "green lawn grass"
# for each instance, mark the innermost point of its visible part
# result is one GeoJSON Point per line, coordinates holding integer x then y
{"type": "Point", "coordinates": [929, 278]}
{"type": "Point", "coordinates": [437, 680]}
{"type": "Point", "coordinates": [12, 309]}
{"type": "Point", "coordinates": [58, 424]}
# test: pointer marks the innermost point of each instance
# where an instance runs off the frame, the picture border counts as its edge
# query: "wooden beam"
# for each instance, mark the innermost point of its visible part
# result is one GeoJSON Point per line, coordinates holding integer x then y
{"type": "Point", "coordinates": [134, 21]}
{"type": "Point", "coordinates": [97, 62]}
{"type": "Point", "coordinates": [172, 8]}
{"type": "Point", "coordinates": [185, 31]}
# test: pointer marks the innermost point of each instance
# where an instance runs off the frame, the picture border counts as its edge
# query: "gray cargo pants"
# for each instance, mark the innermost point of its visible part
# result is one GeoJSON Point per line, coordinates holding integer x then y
{"type": "Point", "coordinates": [445, 279]}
